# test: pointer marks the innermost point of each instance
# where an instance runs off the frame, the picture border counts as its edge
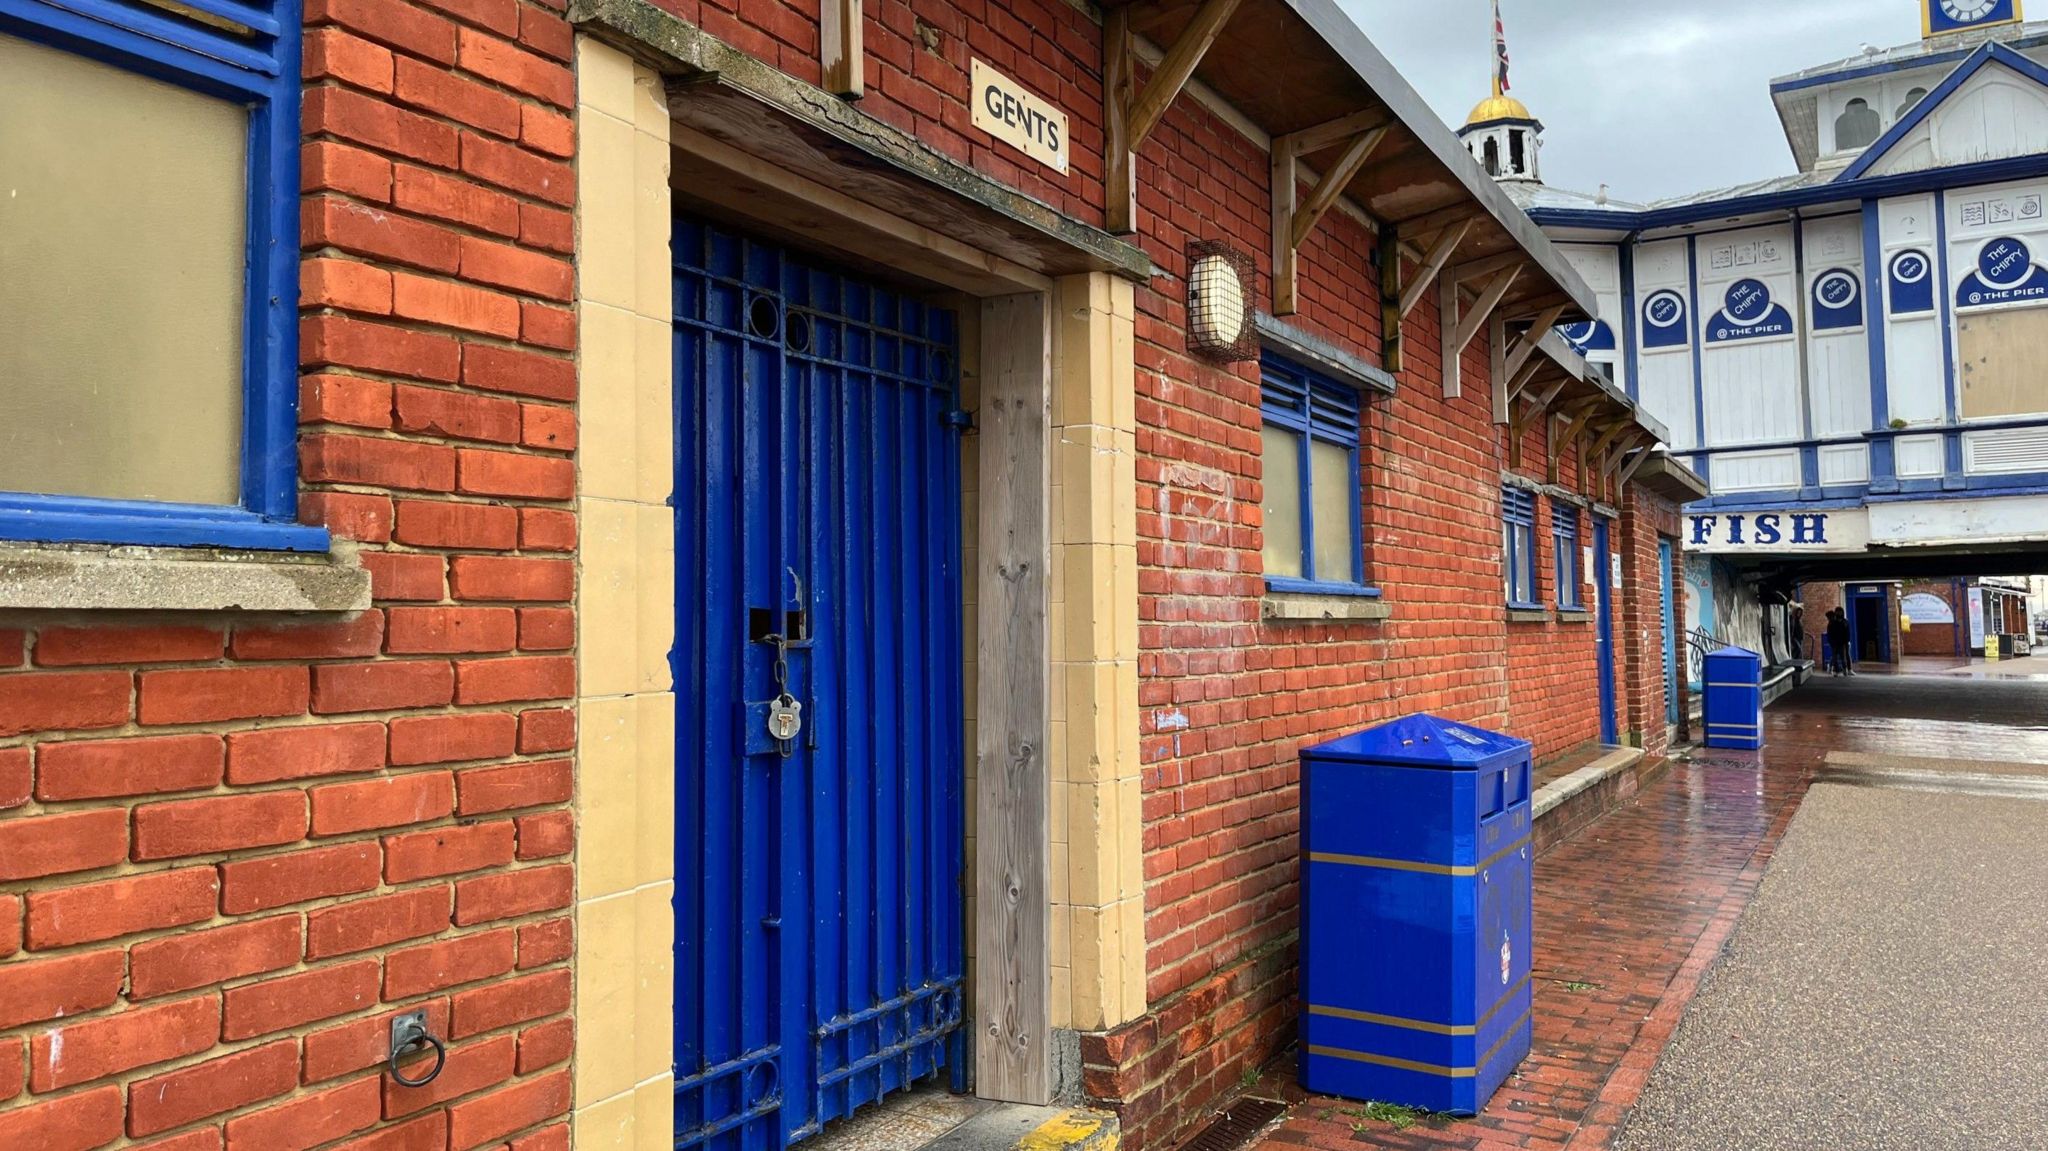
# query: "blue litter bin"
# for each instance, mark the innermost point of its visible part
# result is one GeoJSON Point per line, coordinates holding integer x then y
{"type": "Point", "coordinates": [1733, 704]}
{"type": "Point", "coordinates": [1416, 905]}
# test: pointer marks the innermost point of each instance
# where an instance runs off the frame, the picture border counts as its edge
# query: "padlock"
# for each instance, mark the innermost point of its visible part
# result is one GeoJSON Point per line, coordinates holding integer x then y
{"type": "Point", "coordinates": [785, 718]}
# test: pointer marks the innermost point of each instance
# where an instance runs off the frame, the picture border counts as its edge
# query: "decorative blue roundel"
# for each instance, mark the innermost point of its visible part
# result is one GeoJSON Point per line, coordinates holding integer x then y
{"type": "Point", "coordinates": [1836, 290]}
{"type": "Point", "coordinates": [1576, 333]}
{"type": "Point", "coordinates": [1968, 11]}
{"type": "Point", "coordinates": [1748, 301]}
{"type": "Point", "coordinates": [2005, 262]}
{"type": "Point", "coordinates": [1664, 309]}
{"type": "Point", "coordinates": [1909, 267]}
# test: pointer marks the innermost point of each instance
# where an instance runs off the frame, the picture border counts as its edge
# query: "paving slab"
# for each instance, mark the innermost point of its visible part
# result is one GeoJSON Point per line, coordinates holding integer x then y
{"type": "Point", "coordinates": [1887, 989]}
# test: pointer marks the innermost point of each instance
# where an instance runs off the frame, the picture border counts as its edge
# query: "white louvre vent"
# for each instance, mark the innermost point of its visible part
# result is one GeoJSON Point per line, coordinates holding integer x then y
{"type": "Point", "coordinates": [2006, 452]}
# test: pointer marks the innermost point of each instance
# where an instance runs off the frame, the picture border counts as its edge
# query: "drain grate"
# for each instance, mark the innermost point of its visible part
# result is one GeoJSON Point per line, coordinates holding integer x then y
{"type": "Point", "coordinates": [1235, 1127]}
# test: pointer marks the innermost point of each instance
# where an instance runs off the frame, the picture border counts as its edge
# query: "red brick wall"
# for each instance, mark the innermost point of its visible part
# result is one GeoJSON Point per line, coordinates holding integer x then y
{"type": "Point", "coordinates": [1228, 699]}
{"type": "Point", "coordinates": [232, 846]}
{"type": "Point", "coordinates": [1938, 639]}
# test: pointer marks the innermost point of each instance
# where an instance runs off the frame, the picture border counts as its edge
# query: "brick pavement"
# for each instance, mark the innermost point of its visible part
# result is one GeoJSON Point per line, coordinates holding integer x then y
{"type": "Point", "coordinates": [1632, 912]}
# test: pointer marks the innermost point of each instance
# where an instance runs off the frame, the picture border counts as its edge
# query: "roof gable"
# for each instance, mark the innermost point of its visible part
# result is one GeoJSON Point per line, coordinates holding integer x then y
{"type": "Point", "coordinates": [1992, 75]}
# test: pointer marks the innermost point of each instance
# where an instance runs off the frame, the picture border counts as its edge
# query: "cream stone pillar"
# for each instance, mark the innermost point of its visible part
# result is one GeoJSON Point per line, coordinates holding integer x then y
{"type": "Point", "coordinates": [625, 859]}
{"type": "Point", "coordinates": [1098, 883]}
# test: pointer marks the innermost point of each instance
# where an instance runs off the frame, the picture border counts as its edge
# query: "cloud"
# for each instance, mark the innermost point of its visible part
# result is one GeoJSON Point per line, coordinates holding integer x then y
{"type": "Point", "coordinates": [1656, 99]}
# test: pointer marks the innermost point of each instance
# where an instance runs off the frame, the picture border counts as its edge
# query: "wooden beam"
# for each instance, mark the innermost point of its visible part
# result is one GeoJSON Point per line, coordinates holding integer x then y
{"type": "Point", "coordinates": [839, 48]}
{"type": "Point", "coordinates": [1628, 473]}
{"type": "Point", "coordinates": [1489, 299]}
{"type": "Point", "coordinates": [1442, 218]}
{"type": "Point", "coordinates": [1523, 379]}
{"type": "Point", "coordinates": [1633, 440]}
{"type": "Point", "coordinates": [1339, 177]}
{"type": "Point", "coordinates": [1497, 366]}
{"type": "Point", "coordinates": [1391, 296]}
{"type": "Point", "coordinates": [1536, 407]}
{"type": "Point", "coordinates": [1526, 346]}
{"type": "Point", "coordinates": [1013, 717]}
{"type": "Point", "coordinates": [1448, 305]}
{"type": "Point", "coordinates": [1487, 265]}
{"type": "Point", "coordinates": [1130, 113]}
{"type": "Point", "coordinates": [1177, 65]}
{"type": "Point", "coordinates": [1612, 432]}
{"type": "Point", "coordinates": [1330, 133]}
{"type": "Point", "coordinates": [1439, 255]}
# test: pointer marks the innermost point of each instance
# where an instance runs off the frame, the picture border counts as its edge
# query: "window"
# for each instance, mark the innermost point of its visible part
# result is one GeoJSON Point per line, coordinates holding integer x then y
{"type": "Point", "coordinates": [1492, 151]}
{"type": "Point", "coordinates": [1568, 562]}
{"type": "Point", "coordinates": [150, 246]}
{"type": "Point", "coordinates": [1518, 508]}
{"type": "Point", "coordinates": [1913, 98]}
{"type": "Point", "coordinates": [1858, 126]}
{"type": "Point", "coordinates": [1312, 506]}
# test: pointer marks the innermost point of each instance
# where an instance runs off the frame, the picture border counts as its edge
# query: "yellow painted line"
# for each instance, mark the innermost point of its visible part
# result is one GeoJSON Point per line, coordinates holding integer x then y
{"type": "Point", "coordinates": [1375, 861]}
{"type": "Point", "coordinates": [1436, 1069]}
{"type": "Point", "coordinates": [1421, 1024]}
{"type": "Point", "coordinates": [1068, 1130]}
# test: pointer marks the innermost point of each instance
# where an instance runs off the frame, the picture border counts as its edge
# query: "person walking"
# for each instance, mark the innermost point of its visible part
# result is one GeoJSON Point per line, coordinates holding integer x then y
{"type": "Point", "coordinates": [1838, 643]}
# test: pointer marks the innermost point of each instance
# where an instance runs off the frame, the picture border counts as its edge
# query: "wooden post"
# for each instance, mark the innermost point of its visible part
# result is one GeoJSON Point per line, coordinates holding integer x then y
{"type": "Point", "coordinates": [1285, 195]}
{"type": "Point", "coordinates": [1013, 724]}
{"type": "Point", "coordinates": [839, 48]}
{"type": "Point", "coordinates": [1119, 90]}
{"type": "Point", "coordinates": [1392, 296]}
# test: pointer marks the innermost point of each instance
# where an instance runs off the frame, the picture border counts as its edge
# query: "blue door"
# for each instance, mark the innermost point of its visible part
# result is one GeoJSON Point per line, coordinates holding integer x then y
{"type": "Point", "coordinates": [1665, 590]}
{"type": "Point", "coordinates": [1603, 582]}
{"type": "Point", "coordinates": [818, 951]}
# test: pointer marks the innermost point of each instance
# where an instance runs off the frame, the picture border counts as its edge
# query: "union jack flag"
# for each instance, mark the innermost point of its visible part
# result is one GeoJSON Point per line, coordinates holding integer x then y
{"type": "Point", "coordinates": [1500, 51]}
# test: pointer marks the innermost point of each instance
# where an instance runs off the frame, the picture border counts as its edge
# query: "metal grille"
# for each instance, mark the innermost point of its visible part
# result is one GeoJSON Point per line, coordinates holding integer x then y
{"type": "Point", "coordinates": [1235, 1127]}
{"type": "Point", "coordinates": [818, 903]}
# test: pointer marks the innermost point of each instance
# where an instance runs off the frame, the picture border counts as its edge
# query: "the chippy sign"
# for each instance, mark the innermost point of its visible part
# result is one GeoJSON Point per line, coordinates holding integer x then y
{"type": "Point", "coordinates": [1027, 122]}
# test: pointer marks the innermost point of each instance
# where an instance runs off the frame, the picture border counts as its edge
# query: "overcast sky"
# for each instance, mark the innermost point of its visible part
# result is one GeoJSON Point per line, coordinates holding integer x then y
{"type": "Point", "coordinates": [1652, 97]}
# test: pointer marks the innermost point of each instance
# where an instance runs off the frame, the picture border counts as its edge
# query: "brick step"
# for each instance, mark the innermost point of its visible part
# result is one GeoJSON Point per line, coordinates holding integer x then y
{"type": "Point", "coordinates": [1570, 802]}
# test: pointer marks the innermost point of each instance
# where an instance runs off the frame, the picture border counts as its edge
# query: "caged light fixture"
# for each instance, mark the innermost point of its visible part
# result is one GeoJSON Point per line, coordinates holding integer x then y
{"type": "Point", "coordinates": [1219, 303]}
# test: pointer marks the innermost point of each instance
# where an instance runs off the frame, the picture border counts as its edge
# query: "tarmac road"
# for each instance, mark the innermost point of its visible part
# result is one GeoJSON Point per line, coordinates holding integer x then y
{"type": "Point", "coordinates": [1886, 991]}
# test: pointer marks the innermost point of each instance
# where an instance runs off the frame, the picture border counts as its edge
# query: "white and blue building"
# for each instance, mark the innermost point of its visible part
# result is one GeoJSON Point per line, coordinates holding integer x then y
{"type": "Point", "coordinates": [1854, 355]}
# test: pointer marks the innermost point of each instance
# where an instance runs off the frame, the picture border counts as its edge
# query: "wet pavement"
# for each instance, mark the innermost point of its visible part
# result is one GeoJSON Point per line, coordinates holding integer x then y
{"type": "Point", "coordinates": [1633, 912]}
{"type": "Point", "coordinates": [1887, 991]}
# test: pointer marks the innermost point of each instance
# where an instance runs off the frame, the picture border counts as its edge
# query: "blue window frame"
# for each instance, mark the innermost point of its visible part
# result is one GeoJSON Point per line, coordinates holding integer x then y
{"type": "Point", "coordinates": [245, 52]}
{"type": "Point", "coordinates": [1313, 499]}
{"type": "Point", "coordinates": [1568, 563]}
{"type": "Point", "coordinates": [1518, 509]}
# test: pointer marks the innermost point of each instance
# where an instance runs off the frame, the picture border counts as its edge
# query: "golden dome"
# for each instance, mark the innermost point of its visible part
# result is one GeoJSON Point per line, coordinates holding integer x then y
{"type": "Point", "coordinates": [1498, 108]}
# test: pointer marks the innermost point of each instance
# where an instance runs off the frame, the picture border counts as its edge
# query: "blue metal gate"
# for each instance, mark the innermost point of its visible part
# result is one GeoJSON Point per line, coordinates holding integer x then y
{"type": "Point", "coordinates": [818, 953]}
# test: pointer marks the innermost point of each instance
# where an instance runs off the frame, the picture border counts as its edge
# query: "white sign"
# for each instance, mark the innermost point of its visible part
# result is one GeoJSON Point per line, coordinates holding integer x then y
{"type": "Point", "coordinates": [1976, 617]}
{"type": "Point", "coordinates": [1006, 110]}
{"type": "Point", "coordinates": [1774, 532]}
{"type": "Point", "coordinates": [1924, 607]}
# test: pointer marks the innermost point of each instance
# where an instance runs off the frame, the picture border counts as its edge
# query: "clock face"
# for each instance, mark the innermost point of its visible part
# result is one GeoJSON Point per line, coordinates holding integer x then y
{"type": "Point", "coordinates": [1968, 11]}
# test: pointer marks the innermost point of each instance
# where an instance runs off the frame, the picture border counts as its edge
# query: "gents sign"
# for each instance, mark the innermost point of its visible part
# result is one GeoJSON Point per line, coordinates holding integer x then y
{"type": "Point", "coordinates": [1004, 109]}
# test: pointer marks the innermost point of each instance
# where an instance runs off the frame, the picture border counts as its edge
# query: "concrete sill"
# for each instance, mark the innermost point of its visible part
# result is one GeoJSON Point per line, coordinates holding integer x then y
{"type": "Point", "coordinates": [59, 577]}
{"type": "Point", "coordinates": [1574, 615]}
{"type": "Point", "coordinates": [1529, 615]}
{"type": "Point", "coordinates": [1557, 791]}
{"type": "Point", "coordinates": [1301, 607]}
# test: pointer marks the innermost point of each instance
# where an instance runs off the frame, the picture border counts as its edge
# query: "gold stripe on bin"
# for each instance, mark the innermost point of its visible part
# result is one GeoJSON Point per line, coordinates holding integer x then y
{"type": "Point", "coordinates": [1458, 869]}
{"type": "Point", "coordinates": [1420, 1024]}
{"type": "Point", "coordinates": [1436, 1069]}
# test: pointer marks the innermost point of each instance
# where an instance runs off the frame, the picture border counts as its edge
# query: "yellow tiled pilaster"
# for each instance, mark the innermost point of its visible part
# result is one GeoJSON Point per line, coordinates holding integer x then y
{"type": "Point", "coordinates": [1098, 893]}
{"type": "Point", "coordinates": [625, 864]}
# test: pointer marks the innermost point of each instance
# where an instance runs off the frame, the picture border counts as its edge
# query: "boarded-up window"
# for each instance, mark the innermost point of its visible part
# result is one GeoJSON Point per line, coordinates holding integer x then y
{"type": "Point", "coordinates": [1999, 358]}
